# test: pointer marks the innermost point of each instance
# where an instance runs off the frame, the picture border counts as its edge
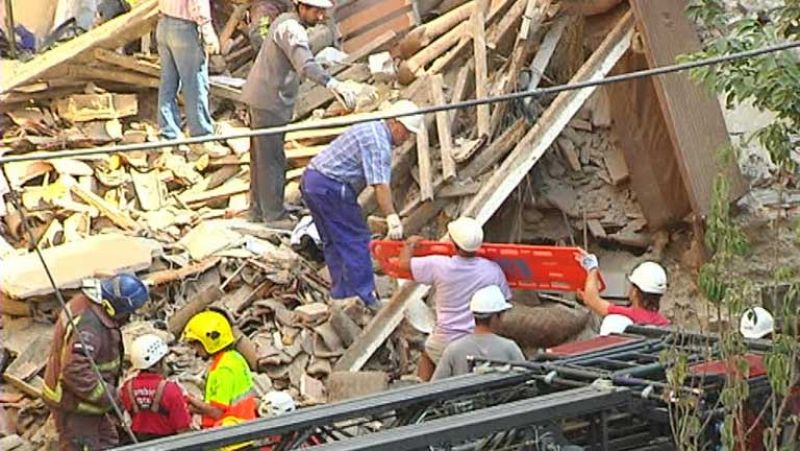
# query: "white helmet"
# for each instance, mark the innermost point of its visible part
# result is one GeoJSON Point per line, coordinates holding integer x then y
{"type": "Point", "coordinates": [147, 350]}
{"type": "Point", "coordinates": [467, 233]}
{"type": "Point", "coordinates": [488, 300]}
{"type": "Point", "coordinates": [411, 123]}
{"type": "Point", "coordinates": [324, 4]}
{"type": "Point", "coordinates": [276, 403]}
{"type": "Point", "coordinates": [649, 277]}
{"type": "Point", "coordinates": [756, 322]}
{"type": "Point", "coordinates": [614, 324]}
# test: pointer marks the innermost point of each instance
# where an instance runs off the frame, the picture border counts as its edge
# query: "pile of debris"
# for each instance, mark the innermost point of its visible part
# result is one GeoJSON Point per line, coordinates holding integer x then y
{"type": "Point", "coordinates": [171, 215]}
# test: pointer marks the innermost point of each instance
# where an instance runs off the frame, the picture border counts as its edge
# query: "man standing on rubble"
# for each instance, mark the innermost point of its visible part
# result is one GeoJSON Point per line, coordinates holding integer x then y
{"type": "Point", "coordinates": [455, 280]}
{"type": "Point", "coordinates": [648, 283]}
{"type": "Point", "coordinates": [157, 406]}
{"type": "Point", "coordinates": [229, 391]}
{"type": "Point", "coordinates": [79, 397]}
{"type": "Point", "coordinates": [186, 36]}
{"type": "Point", "coordinates": [487, 306]}
{"type": "Point", "coordinates": [361, 156]}
{"type": "Point", "coordinates": [271, 92]}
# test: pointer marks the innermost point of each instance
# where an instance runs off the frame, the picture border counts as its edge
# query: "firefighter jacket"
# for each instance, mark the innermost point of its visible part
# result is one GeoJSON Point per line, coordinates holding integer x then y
{"type": "Point", "coordinates": [70, 382]}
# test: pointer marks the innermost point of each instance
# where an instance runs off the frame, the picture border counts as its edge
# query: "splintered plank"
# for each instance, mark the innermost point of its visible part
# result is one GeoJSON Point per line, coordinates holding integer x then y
{"type": "Point", "coordinates": [694, 119]}
{"type": "Point", "coordinates": [443, 127]}
{"type": "Point", "coordinates": [481, 70]}
{"type": "Point", "coordinates": [113, 213]}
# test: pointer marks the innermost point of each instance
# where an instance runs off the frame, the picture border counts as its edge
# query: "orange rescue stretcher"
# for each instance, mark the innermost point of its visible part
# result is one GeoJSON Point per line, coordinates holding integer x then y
{"type": "Point", "coordinates": [526, 267]}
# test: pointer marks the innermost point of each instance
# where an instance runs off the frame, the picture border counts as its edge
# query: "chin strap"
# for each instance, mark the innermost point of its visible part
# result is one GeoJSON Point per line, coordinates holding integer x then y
{"type": "Point", "coordinates": [112, 312]}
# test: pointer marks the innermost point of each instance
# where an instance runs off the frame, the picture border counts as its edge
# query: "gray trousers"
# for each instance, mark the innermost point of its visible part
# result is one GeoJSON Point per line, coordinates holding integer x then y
{"type": "Point", "coordinates": [267, 168]}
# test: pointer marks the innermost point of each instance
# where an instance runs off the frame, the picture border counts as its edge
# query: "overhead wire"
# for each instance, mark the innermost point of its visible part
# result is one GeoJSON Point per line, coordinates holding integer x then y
{"type": "Point", "coordinates": [161, 146]}
{"type": "Point", "coordinates": [71, 318]}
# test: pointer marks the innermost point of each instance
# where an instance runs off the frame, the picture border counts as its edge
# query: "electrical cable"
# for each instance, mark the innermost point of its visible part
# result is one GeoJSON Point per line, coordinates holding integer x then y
{"type": "Point", "coordinates": [335, 122]}
{"type": "Point", "coordinates": [70, 318]}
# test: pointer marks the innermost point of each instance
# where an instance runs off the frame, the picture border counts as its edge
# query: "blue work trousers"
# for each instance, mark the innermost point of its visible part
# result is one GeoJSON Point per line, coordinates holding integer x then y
{"type": "Point", "coordinates": [345, 236]}
{"type": "Point", "coordinates": [184, 67]}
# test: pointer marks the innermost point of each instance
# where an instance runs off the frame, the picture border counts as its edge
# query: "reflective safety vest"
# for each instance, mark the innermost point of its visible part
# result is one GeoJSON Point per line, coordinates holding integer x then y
{"type": "Point", "coordinates": [70, 382]}
{"type": "Point", "coordinates": [229, 386]}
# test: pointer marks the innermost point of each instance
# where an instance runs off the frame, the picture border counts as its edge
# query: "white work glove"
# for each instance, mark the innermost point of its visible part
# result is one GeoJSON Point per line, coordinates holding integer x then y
{"type": "Point", "coordinates": [589, 262]}
{"type": "Point", "coordinates": [395, 227]}
{"type": "Point", "coordinates": [344, 92]}
{"type": "Point", "coordinates": [209, 38]}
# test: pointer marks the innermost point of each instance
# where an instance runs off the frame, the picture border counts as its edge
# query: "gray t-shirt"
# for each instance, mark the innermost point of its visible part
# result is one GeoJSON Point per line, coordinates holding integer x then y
{"type": "Point", "coordinates": [490, 346]}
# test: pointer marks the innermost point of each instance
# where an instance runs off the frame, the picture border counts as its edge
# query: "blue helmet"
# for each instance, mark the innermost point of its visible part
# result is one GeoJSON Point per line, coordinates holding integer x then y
{"type": "Point", "coordinates": [126, 293]}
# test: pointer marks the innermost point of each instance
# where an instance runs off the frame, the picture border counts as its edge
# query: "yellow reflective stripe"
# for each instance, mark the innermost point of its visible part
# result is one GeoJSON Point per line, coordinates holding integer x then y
{"type": "Point", "coordinates": [85, 407]}
{"type": "Point", "coordinates": [96, 393]}
{"type": "Point", "coordinates": [52, 394]}
{"type": "Point", "coordinates": [68, 324]}
{"type": "Point", "coordinates": [108, 366]}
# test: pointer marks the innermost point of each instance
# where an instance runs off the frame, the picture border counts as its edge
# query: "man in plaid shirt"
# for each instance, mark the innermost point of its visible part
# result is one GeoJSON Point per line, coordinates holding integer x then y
{"type": "Point", "coordinates": [361, 156]}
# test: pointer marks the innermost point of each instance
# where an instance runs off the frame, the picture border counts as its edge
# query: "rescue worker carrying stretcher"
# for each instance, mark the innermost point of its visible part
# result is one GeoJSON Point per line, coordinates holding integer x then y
{"type": "Point", "coordinates": [157, 406]}
{"type": "Point", "coordinates": [230, 397]}
{"type": "Point", "coordinates": [73, 390]}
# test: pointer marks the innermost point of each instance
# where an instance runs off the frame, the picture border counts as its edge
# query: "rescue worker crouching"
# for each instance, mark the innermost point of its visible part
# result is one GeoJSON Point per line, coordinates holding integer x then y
{"type": "Point", "coordinates": [157, 406]}
{"type": "Point", "coordinates": [229, 392]}
{"type": "Point", "coordinates": [76, 395]}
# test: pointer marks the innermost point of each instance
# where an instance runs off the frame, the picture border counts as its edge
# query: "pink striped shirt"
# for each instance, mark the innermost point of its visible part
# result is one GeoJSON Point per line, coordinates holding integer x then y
{"type": "Point", "coordinates": [198, 11]}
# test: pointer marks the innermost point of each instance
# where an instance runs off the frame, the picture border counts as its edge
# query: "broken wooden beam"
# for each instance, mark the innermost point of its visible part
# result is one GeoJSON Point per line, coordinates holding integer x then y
{"type": "Point", "coordinates": [495, 191]}
{"type": "Point", "coordinates": [481, 68]}
{"type": "Point", "coordinates": [423, 35]}
{"type": "Point", "coordinates": [113, 213]}
{"type": "Point", "coordinates": [443, 128]}
{"type": "Point", "coordinates": [447, 59]}
{"type": "Point", "coordinates": [128, 62]}
{"type": "Point", "coordinates": [693, 116]}
{"type": "Point", "coordinates": [424, 162]}
{"type": "Point", "coordinates": [170, 275]}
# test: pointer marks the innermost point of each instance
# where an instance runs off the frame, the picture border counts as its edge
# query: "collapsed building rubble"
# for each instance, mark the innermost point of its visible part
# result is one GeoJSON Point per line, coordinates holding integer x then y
{"type": "Point", "coordinates": [544, 169]}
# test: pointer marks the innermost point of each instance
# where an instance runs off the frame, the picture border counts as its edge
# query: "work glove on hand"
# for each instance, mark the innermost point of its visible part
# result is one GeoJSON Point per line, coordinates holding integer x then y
{"type": "Point", "coordinates": [395, 227]}
{"type": "Point", "coordinates": [344, 92]}
{"type": "Point", "coordinates": [209, 38]}
{"type": "Point", "coordinates": [589, 261]}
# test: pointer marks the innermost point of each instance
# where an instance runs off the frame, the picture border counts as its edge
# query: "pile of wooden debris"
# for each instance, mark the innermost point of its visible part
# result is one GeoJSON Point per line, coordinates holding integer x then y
{"type": "Point", "coordinates": [171, 215]}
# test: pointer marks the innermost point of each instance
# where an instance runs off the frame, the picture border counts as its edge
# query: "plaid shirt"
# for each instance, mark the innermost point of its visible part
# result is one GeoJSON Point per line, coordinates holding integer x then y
{"type": "Point", "coordinates": [360, 156]}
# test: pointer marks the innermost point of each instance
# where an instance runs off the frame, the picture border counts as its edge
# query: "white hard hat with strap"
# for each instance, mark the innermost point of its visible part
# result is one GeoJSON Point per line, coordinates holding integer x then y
{"type": "Point", "coordinates": [324, 4]}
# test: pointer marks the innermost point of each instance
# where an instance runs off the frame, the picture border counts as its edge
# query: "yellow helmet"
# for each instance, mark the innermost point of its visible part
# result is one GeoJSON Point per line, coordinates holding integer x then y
{"type": "Point", "coordinates": [211, 329]}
